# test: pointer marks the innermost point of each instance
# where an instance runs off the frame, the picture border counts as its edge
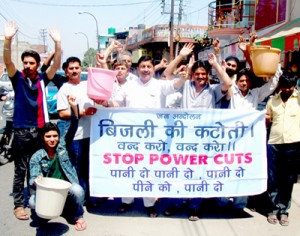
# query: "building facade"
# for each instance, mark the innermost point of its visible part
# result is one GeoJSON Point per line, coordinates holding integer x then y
{"type": "Point", "coordinates": [275, 21]}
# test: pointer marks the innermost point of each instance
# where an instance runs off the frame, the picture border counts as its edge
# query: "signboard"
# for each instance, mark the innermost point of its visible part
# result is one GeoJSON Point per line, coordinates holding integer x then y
{"type": "Point", "coordinates": [177, 153]}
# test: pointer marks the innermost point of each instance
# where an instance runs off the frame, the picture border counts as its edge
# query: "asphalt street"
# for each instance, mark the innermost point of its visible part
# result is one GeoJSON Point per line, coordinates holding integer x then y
{"type": "Point", "coordinates": [104, 220]}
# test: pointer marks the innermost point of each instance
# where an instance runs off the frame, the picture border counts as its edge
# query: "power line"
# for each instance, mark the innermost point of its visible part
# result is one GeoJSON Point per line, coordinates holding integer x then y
{"type": "Point", "coordinates": [78, 5]}
{"type": "Point", "coordinates": [198, 10]}
{"type": "Point", "coordinates": [3, 16]}
{"type": "Point", "coordinates": [150, 13]}
{"type": "Point", "coordinates": [138, 18]}
{"type": "Point", "coordinates": [9, 12]}
{"type": "Point", "coordinates": [162, 19]}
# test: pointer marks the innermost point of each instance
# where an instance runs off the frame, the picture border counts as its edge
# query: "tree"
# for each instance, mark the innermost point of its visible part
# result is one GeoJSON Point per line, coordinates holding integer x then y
{"type": "Point", "coordinates": [89, 59]}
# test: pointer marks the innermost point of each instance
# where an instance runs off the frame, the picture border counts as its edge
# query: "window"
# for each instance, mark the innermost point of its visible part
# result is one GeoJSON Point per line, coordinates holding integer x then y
{"type": "Point", "coordinates": [265, 10]}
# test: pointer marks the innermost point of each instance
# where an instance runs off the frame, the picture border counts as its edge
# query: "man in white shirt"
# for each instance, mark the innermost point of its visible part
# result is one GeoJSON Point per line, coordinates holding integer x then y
{"type": "Point", "coordinates": [144, 92]}
{"type": "Point", "coordinates": [243, 97]}
{"type": "Point", "coordinates": [80, 146]}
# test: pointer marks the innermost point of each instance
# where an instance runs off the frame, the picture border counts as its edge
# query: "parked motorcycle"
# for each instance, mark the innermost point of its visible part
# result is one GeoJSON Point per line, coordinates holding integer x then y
{"type": "Point", "coordinates": [7, 133]}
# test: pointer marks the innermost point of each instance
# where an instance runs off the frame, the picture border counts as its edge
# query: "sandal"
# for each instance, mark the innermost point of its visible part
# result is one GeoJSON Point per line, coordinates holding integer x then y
{"type": "Point", "coordinates": [21, 214]}
{"type": "Point", "coordinates": [284, 220]}
{"type": "Point", "coordinates": [193, 218]}
{"type": "Point", "coordinates": [124, 207]}
{"type": "Point", "coordinates": [152, 212]}
{"type": "Point", "coordinates": [272, 219]}
{"type": "Point", "coordinates": [171, 210]}
{"type": "Point", "coordinates": [80, 224]}
{"type": "Point", "coordinates": [193, 214]}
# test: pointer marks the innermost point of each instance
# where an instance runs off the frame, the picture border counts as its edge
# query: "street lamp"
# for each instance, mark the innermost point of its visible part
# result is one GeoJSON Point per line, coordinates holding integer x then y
{"type": "Point", "coordinates": [87, 40]}
{"type": "Point", "coordinates": [97, 31]}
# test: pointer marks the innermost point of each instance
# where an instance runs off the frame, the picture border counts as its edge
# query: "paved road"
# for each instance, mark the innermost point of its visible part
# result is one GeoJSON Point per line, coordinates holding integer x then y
{"type": "Point", "coordinates": [105, 221]}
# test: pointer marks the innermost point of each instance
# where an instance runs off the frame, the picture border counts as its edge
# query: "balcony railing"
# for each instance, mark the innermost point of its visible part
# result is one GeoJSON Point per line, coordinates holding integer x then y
{"type": "Point", "coordinates": [162, 33]}
{"type": "Point", "coordinates": [239, 14]}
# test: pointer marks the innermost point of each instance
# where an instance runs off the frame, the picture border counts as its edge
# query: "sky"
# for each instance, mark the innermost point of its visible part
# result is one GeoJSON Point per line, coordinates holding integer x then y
{"type": "Point", "coordinates": [32, 16]}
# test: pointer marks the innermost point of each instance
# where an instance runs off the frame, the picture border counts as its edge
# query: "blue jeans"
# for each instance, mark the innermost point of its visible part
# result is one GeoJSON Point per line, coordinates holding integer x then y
{"type": "Point", "coordinates": [283, 170]}
{"type": "Point", "coordinates": [79, 154]}
{"type": "Point", "coordinates": [25, 143]}
{"type": "Point", "coordinates": [63, 126]}
{"type": "Point", "coordinates": [73, 209]}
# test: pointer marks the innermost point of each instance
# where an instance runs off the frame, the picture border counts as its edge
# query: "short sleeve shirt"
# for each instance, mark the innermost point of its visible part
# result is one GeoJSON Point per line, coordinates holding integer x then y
{"type": "Point", "coordinates": [80, 92]}
{"type": "Point", "coordinates": [285, 119]}
{"type": "Point", "coordinates": [208, 97]}
{"type": "Point", "coordinates": [30, 106]}
{"type": "Point", "coordinates": [136, 94]}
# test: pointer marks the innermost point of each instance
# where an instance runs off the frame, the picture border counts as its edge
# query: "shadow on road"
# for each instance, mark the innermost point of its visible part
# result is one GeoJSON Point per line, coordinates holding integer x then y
{"type": "Point", "coordinates": [209, 210]}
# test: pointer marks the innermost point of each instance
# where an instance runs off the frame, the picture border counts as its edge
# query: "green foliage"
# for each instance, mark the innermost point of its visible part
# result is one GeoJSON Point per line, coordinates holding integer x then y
{"type": "Point", "coordinates": [203, 41]}
{"type": "Point", "coordinates": [89, 59]}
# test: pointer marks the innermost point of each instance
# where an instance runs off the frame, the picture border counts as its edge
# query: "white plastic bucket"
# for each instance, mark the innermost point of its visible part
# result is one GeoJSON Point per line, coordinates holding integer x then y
{"type": "Point", "coordinates": [51, 195]}
{"type": "Point", "coordinates": [100, 83]}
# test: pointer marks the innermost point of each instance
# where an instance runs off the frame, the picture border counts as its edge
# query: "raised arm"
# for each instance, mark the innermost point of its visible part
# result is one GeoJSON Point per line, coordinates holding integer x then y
{"type": "Point", "coordinates": [101, 61]}
{"type": "Point", "coordinates": [162, 64]}
{"type": "Point", "coordinates": [269, 87]}
{"type": "Point", "coordinates": [73, 123]}
{"type": "Point", "coordinates": [245, 47]}
{"type": "Point", "coordinates": [55, 35]}
{"type": "Point", "coordinates": [226, 81]}
{"type": "Point", "coordinates": [47, 62]}
{"type": "Point", "coordinates": [183, 75]}
{"type": "Point", "coordinates": [102, 58]}
{"type": "Point", "coordinates": [184, 52]}
{"type": "Point", "coordinates": [190, 65]}
{"type": "Point", "coordinates": [217, 49]}
{"type": "Point", "coordinates": [10, 29]}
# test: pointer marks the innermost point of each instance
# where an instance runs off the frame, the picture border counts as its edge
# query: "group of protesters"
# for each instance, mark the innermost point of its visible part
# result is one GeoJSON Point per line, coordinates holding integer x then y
{"type": "Point", "coordinates": [44, 149]}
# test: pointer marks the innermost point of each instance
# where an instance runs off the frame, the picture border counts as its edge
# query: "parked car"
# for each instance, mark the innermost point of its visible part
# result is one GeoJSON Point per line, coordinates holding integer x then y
{"type": "Point", "coordinates": [5, 83]}
{"type": "Point", "coordinates": [52, 95]}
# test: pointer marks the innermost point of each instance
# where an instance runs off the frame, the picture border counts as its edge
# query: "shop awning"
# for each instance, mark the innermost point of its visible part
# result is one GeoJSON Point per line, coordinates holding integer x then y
{"type": "Point", "coordinates": [286, 37]}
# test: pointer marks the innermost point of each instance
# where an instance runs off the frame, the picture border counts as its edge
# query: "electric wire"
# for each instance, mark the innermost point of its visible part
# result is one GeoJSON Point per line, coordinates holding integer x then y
{"type": "Point", "coordinates": [80, 5]}
{"type": "Point", "coordinates": [140, 17]}
{"type": "Point", "coordinates": [10, 14]}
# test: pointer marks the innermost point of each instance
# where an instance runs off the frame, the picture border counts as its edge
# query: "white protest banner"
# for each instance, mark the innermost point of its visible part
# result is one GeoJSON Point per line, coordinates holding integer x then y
{"type": "Point", "coordinates": [177, 153]}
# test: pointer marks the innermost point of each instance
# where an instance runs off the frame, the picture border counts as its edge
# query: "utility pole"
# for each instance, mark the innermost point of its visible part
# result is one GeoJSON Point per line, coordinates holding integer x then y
{"type": "Point", "coordinates": [163, 2]}
{"type": "Point", "coordinates": [43, 33]}
{"type": "Point", "coordinates": [172, 31]}
{"type": "Point", "coordinates": [171, 23]}
{"type": "Point", "coordinates": [180, 11]}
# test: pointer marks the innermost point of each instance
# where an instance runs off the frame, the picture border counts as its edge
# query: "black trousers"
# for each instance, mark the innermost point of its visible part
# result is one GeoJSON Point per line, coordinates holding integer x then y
{"type": "Point", "coordinates": [25, 143]}
{"type": "Point", "coordinates": [283, 170]}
